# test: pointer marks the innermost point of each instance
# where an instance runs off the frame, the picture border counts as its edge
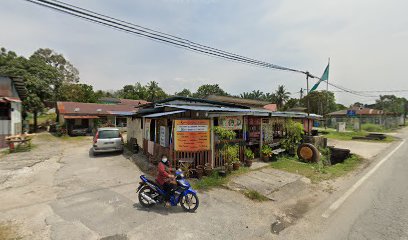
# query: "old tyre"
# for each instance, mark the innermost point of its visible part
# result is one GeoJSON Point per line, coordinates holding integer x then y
{"type": "Point", "coordinates": [189, 202]}
{"type": "Point", "coordinates": [148, 191]}
{"type": "Point", "coordinates": [308, 152]}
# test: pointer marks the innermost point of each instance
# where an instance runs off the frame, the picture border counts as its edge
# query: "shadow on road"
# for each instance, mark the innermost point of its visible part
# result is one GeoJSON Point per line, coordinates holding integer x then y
{"type": "Point", "coordinates": [160, 209]}
{"type": "Point", "coordinates": [102, 155]}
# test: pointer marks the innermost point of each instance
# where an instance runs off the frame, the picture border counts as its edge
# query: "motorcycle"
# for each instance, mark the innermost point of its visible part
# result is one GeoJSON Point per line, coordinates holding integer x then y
{"type": "Point", "coordinates": [151, 193]}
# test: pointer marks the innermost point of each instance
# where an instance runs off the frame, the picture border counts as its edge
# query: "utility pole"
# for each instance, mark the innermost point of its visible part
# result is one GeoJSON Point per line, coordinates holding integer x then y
{"type": "Point", "coordinates": [326, 120]}
{"type": "Point", "coordinates": [308, 103]}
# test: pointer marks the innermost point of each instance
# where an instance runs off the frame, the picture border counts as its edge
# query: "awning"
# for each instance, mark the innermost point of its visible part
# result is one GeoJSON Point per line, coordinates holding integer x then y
{"type": "Point", "coordinates": [9, 99]}
{"type": "Point", "coordinates": [81, 117]}
{"type": "Point", "coordinates": [154, 115]}
{"type": "Point", "coordinates": [122, 113]}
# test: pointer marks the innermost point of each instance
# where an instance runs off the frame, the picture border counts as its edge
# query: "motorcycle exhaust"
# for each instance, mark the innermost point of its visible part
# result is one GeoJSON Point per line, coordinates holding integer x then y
{"type": "Point", "coordinates": [148, 198]}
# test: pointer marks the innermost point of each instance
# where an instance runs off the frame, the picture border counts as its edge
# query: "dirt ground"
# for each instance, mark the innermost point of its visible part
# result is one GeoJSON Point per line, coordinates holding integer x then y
{"type": "Point", "coordinates": [60, 191]}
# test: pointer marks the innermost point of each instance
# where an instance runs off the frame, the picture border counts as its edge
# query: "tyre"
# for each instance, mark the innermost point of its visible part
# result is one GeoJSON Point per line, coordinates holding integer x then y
{"type": "Point", "coordinates": [189, 202]}
{"type": "Point", "coordinates": [148, 191]}
{"type": "Point", "coordinates": [308, 153]}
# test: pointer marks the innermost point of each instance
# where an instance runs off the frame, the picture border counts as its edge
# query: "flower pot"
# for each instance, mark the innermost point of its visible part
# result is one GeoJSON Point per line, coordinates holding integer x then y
{"type": "Point", "coordinates": [199, 171]}
{"type": "Point", "coordinates": [228, 168]}
{"type": "Point", "coordinates": [222, 173]}
{"type": "Point", "coordinates": [236, 165]}
{"type": "Point", "coordinates": [248, 163]}
{"type": "Point", "coordinates": [208, 171]}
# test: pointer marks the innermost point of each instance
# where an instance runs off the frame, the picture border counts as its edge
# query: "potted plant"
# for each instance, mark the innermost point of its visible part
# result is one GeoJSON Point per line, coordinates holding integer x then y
{"type": "Point", "coordinates": [208, 169]}
{"type": "Point", "coordinates": [266, 152]}
{"type": "Point", "coordinates": [199, 171]}
{"type": "Point", "coordinates": [294, 134]}
{"type": "Point", "coordinates": [236, 164]}
{"type": "Point", "coordinates": [249, 156]}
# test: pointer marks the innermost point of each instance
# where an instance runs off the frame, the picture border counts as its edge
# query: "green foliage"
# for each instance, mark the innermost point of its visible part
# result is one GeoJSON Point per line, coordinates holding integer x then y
{"type": "Point", "coordinates": [214, 180]}
{"type": "Point", "coordinates": [392, 103]}
{"type": "Point", "coordinates": [209, 89]}
{"type": "Point", "coordinates": [184, 93]}
{"type": "Point", "coordinates": [280, 96]}
{"type": "Point", "coordinates": [154, 92]}
{"type": "Point", "coordinates": [249, 154]}
{"type": "Point", "coordinates": [62, 130]}
{"type": "Point", "coordinates": [78, 92]}
{"type": "Point", "coordinates": [254, 195]}
{"type": "Point", "coordinates": [266, 151]}
{"type": "Point", "coordinates": [294, 133]}
{"type": "Point", "coordinates": [315, 171]}
{"type": "Point", "coordinates": [321, 102]}
{"type": "Point", "coordinates": [224, 134]}
{"type": "Point", "coordinates": [291, 103]}
{"type": "Point", "coordinates": [369, 127]}
{"type": "Point", "coordinates": [231, 153]}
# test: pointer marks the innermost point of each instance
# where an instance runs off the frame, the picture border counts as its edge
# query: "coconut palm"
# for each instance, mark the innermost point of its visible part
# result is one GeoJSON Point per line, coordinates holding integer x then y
{"type": "Point", "coordinates": [282, 96]}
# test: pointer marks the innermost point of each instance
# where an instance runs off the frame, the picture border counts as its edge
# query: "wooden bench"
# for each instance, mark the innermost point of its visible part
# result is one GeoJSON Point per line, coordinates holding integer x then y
{"type": "Point", "coordinates": [21, 142]}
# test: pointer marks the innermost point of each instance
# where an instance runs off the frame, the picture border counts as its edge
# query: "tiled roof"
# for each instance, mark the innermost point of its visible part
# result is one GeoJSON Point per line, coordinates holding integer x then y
{"type": "Point", "coordinates": [132, 102]}
{"type": "Point", "coordinates": [77, 108]}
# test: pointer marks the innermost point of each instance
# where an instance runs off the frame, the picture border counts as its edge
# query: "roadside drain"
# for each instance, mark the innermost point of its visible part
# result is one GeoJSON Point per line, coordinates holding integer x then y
{"type": "Point", "coordinates": [115, 237]}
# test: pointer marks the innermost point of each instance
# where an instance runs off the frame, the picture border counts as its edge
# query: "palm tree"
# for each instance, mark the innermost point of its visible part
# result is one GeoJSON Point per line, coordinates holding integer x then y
{"type": "Point", "coordinates": [282, 96]}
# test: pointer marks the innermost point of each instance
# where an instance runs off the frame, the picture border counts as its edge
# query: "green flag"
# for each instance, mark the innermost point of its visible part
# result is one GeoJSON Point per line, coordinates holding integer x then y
{"type": "Point", "coordinates": [324, 77]}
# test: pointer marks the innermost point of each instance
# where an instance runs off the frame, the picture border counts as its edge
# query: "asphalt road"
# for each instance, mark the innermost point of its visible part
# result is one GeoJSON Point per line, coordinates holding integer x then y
{"type": "Point", "coordinates": [375, 203]}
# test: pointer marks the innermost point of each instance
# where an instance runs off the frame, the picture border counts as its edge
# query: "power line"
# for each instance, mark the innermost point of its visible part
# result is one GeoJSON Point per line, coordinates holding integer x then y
{"type": "Point", "coordinates": [169, 39]}
{"type": "Point", "coordinates": [152, 34]}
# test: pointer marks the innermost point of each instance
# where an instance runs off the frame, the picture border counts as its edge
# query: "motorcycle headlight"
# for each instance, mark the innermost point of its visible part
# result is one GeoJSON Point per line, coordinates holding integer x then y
{"type": "Point", "coordinates": [181, 175]}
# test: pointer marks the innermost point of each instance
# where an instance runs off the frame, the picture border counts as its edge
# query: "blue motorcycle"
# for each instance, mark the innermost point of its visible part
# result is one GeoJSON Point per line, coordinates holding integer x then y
{"type": "Point", "coordinates": [151, 193]}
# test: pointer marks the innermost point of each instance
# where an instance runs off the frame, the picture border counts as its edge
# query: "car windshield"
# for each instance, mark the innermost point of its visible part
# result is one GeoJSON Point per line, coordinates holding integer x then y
{"type": "Point", "coordinates": [108, 134]}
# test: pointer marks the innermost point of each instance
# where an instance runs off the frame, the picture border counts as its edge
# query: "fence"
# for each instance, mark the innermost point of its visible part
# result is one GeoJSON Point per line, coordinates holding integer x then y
{"type": "Point", "coordinates": [219, 154]}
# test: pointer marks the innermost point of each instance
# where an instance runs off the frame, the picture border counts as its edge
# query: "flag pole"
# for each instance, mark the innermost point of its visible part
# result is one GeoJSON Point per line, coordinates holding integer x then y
{"type": "Point", "coordinates": [308, 103]}
{"type": "Point", "coordinates": [327, 100]}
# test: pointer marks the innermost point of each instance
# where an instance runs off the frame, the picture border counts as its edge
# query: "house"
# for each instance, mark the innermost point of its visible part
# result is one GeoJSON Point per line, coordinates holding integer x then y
{"type": "Point", "coordinates": [183, 128]}
{"type": "Point", "coordinates": [355, 116]}
{"type": "Point", "coordinates": [12, 92]}
{"type": "Point", "coordinates": [88, 116]}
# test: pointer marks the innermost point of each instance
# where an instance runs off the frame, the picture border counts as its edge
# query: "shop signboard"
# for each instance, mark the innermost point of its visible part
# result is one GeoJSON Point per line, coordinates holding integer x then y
{"type": "Point", "coordinates": [192, 135]}
{"type": "Point", "coordinates": [231, 122]}
{"type": "Point", "coordinates": [164, 136]}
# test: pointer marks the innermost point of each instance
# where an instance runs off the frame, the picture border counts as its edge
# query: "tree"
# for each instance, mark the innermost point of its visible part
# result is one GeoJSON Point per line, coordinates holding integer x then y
{"type": "Point", "coordinates": [291, 103]}
{"type": "Point", "coordinates": [282, 96]}
{"type": "Point", "coordinates": [78, 92]}
{"type": "Point", "coordinates": [391, 103]}
{"type": "Point", "coordinates": [154, 92]}
{"type": "Point", "coordinates": [321, 102]}
{"type": "Point", "coordinates": [184, 93]}
{"type": "Point", "coordinates": [209, 89]}
{"type": "Point", "coordinates": [67, 73]}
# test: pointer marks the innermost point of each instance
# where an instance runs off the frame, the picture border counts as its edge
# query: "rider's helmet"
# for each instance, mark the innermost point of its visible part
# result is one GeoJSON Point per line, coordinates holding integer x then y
{"type": "Point", "coordinates": [164, 160]}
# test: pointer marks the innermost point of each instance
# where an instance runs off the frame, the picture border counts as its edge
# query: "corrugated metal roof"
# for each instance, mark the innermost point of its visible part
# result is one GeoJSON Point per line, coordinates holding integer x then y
{"type": "Point", "coordinates": [80, 117]}
{"type": "Point", "coordinates": [154, 115]}
{"type": "Point", "coordinates": [123, 113]}
{"type": "Point", "coordinates": [215, 109]}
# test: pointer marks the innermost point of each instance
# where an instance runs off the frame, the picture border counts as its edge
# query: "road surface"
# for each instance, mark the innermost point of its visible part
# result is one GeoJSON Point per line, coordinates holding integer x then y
{"type": "Point", "coordinates": [375, 204]}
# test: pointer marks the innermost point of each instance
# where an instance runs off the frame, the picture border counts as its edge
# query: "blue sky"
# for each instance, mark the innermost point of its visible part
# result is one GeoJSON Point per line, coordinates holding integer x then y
{"type": "Point", "coordinates": [366, 41]}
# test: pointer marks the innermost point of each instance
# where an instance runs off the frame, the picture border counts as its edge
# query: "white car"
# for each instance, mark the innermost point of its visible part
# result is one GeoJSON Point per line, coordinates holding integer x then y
{"type": "Point", "coordinates": [107, 140]}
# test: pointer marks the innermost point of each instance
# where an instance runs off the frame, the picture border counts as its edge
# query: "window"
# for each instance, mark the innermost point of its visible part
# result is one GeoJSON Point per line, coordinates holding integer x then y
{"type": "Point", "coordinates": [106, 134]}
{"type": "Point", "coordinates": [5, 111]}
{"type": "Point", "coordinates": [121, 122]}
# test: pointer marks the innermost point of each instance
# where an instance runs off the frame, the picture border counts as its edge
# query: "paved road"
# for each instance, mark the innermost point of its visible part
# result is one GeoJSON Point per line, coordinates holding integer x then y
{"type": "Point", "coordinates": [377, 209]}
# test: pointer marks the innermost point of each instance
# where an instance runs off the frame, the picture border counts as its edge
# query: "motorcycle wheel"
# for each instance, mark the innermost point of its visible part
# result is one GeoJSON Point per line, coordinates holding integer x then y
{"type": "Point", "coordinates": [189, 202]}
{"type": "Point", "coordinates": [148, 191]}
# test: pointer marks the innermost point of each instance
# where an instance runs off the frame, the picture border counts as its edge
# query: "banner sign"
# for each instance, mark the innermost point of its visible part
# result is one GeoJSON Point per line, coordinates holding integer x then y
{"type": "Point", "coordinates": [351, 113]}
{"type": "Point", "coordinates": [192, 135]}
{"type": "Point", "coordinates": [231, 122]}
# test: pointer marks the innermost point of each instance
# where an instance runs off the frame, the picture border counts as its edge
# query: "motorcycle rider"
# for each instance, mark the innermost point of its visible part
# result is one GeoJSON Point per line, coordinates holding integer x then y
{"type": "Point", "coordinates": [165, 179]}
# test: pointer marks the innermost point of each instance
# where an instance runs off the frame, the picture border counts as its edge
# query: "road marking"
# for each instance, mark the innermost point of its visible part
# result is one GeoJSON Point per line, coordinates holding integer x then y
{"type": "Point", "coordinates": [343, 198]}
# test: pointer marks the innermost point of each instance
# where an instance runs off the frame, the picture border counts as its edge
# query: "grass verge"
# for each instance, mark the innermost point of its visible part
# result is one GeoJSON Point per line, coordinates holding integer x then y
{"type": "Point", "coordinates": [347, 136]}
{"type": "Point", "coordinates": [214, 180]}
{"type": "Point", "coordinates": [317, 172]}
{"type": "Point", "coordinates": [254, 195]}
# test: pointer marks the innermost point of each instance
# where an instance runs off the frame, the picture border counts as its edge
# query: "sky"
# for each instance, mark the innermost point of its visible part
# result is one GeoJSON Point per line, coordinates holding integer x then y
{"type": "Point", "coordinates": [366, 42]}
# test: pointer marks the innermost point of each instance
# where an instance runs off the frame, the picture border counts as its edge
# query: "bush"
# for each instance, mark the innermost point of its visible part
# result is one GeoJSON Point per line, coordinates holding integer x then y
{"type": "Point", "coordinates": [369, 127]}
{"type": "Point", "coordinates": [293, 137]}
